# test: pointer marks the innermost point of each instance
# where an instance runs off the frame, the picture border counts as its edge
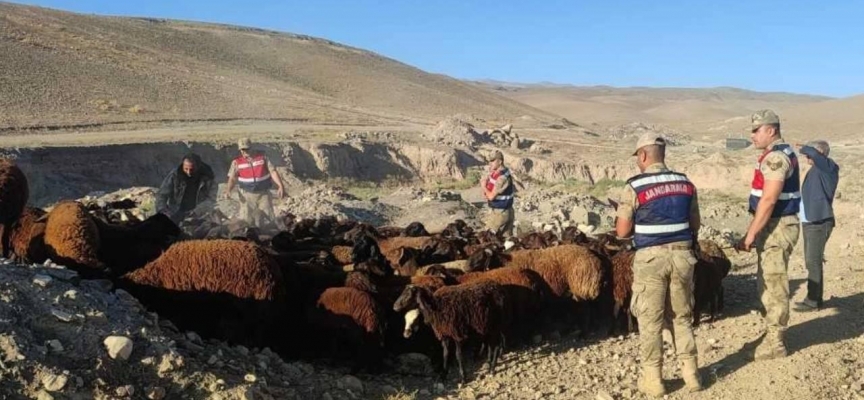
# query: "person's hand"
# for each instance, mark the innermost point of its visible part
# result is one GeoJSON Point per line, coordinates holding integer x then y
{"type": "Point", "coordinates": [746, 243]}
{"type": "Point", "coordinates": [280, 193]}
{"type": "Point", "coordinates": [225, 195]}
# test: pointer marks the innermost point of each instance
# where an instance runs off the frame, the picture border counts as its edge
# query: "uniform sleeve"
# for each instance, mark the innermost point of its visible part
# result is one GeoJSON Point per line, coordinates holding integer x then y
{"type": "Point", "coordinates": [232, 170]}
{"type": "Point", "coordinates": [501, 184]}
{"type": "Point", "coordinates": [627, 205]}
{"type": "Point", "coordinates": [776, 166]}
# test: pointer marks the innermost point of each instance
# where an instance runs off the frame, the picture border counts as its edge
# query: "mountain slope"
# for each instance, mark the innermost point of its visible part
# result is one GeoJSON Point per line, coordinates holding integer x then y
{"type": "Point", "coordinates": [671, 106]}
{"type": "Point", "coordinates": [65, 68]}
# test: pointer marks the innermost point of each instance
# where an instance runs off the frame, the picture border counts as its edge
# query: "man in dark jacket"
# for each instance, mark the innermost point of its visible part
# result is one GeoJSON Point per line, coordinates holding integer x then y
{"type": "Point", "coordinates": [187, 187]}
{"type": "Point", "coordinates": [817, 216]}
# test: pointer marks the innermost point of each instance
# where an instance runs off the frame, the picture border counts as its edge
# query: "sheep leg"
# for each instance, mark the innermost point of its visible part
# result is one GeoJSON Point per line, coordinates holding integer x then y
{"type": "Point", "coordinates": [4, 241]}
{"type": "Point", "coordinates": [446, 355]}
{"type": "Point", "coordinates": [459, 360]}
{"type": "Point", "coordinates": [720, 298]}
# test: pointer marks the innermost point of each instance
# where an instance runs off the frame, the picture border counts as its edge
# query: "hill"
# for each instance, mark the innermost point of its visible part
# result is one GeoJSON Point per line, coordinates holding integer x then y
{"type": "Point", "coordinates": [683, 108]}
{"type": "Point", "coordinates": [61, 68]}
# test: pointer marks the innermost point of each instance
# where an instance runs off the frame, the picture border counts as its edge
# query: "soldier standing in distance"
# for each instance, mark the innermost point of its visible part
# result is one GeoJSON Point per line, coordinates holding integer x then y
{"type": "Point", "coordinates": [498, 190]}
{"type": "Point", "coordinates": [775, 199]}
{"type": "Point", "coordinates": [255, 176]}
{"type": "Point", "coordinates": [661, 210]}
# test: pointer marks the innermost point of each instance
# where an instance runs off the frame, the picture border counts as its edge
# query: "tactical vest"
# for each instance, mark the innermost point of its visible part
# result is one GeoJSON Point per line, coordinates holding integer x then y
{"type": "Point", "coordinates": [789, 201]}
{"type": "Point", "coordinates": [663, 214]}
{"type": "Point", "coordinates": [253, 174]}
{"type": "Point", "coordinates": [504, 200]}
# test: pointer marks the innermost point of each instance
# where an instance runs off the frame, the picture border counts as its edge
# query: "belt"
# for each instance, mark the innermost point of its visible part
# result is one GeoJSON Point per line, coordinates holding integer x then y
{"type": "Point", "coordinates": [676, 246]}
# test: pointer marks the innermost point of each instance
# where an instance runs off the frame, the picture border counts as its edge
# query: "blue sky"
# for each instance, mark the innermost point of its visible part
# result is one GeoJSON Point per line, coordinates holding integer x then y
{"type": "Point", "coordinates": [794, 46]}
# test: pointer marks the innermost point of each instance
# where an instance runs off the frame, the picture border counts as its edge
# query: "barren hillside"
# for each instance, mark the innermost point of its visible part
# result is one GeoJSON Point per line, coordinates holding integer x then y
{"type": "Point", "coordinates": [61, 68]}
{"type": "Point", "coordinates": [677, 107]}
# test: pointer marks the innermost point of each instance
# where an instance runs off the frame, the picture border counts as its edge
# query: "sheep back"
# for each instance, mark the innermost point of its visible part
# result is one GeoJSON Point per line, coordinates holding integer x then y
{"type": "Point", "coordinates": [241, 269]}
{"type": "Point", "coordinates": [349, 309]}
{"type": "Point", "coordinates": [28, 236]}
{"type": "Point", "coordinates": [567, 269]}
{"type": "Point", "coordinates": [463, 311]}
{"type": "Point", "coordinates": [14, 193]}
{"type": "Point", "coordinates": [71, 237]}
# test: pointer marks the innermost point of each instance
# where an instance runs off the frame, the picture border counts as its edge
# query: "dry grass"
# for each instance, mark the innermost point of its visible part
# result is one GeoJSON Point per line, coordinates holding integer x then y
{"type": "Point", "coordinates": [402, 395]}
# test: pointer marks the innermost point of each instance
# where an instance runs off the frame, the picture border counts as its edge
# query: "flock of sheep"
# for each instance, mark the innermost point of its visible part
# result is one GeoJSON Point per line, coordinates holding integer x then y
{"type": "Point", "coordinates": [347, 289]}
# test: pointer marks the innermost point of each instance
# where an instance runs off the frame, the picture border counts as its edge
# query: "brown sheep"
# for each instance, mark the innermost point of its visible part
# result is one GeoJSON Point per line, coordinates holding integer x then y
{"type": "Point", "coordinates": [622, 287]}
{"type": "Point", "coordinates": [712, 266]}
{"type": "Point", "coordinates": [28, 236]}
{"type": "Point", "coordinates": [14, 193]}
{"type": "Point", "coordinates": [527, 292]}
{"type": "Point", "coordinates": [342, 254]}
{"type": "Point", "coordinates": [227, 289]}
{"type": "Point", "coordinates": [458, 313]}
{"type": "Point", "coordinates": [391, 246]}
{"type": "Point", "coordinates": [72, 238]}
{"type": "Point", "coordinates": [570, 271]}
{"type": "Point", "coordinates": [347, 315]}
{"type": "Point", "coordinates": [575, 276]}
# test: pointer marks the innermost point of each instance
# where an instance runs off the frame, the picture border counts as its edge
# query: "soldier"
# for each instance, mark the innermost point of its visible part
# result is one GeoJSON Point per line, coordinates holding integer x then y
{"type": "Point", "coordinates": [256, 176]}
{"type": "Point", "coordinates": [661, 207]}
{"type": "Point", "coordinates": [498, 191]}
{"type": "Point", "coordinates": [774, 203]}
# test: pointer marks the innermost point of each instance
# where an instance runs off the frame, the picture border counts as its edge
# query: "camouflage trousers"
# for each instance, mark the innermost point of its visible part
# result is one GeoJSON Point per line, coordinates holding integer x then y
{"type": "Point", "coordinates": [663, 296]}
{"type": "Point", "coordinates": [500, 221]}
{"type": "Point", "coordinates": [256, 208]}
{"type": "Point", "coordinates": [773, 247]}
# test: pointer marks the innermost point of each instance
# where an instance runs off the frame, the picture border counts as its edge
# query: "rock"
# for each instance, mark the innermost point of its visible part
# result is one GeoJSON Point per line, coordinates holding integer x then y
{"type": "Point", "coordinates": [41, 280]}
{"type": "Point", "coordinates": [603, 395]}
{"type": "Point", "coordinates": [155, 393]}
{"type": "Point", "coordinates": [62, 315]}
{"type": "Point", "coordinates": [251, 378]}
{"type": "Point", "coordinates": [65, 275]}
{"type": "Point", "coordinates": [326, 396]}
{"type": "Point", "coordinates": [124, 391]}
{"type": "Point", "coordinates": [586, 229]}
{"type": "Point", "coordinates": [212, 360]}
{"type": "Point", "coordinates": [54, 383]}
{"type": "Point", "coordinates": [100, 285]}
{"type": "Point", "coordinates": [194, 338]}
{"type": "Point", "coordinates": [579, 215]}
{"type": "Point", "coordinates": [349, 382]}
{"type": "Point", "coordinates": [242, 350]}
{"type": "Point", "coordinates": [414, 364]}
{"type": "Point", "coordinates": [55, 345]}
{"type": "Point", "coordinates": [438, 388]}
{"type": "Point", "coordinates": [118, 347]}
{"type": "Point", "coordinates": [71, 294]}
{"type": "Point", "coordinates": [43, 395]}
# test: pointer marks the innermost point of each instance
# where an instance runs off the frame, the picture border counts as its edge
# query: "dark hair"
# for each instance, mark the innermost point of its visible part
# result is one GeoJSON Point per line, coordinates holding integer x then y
{"type": "Point", "coordinates": [192, 158]}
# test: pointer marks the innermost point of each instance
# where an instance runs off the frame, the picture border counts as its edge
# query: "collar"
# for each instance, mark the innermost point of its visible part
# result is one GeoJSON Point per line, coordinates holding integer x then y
{"type": "Point", "coordinates": [774, 143]}
{"type": "Point", "coordinates": [656, 167]}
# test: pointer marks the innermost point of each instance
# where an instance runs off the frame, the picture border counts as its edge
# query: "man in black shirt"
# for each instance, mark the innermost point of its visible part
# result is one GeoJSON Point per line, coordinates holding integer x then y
{"type": "Point", "coordinates": [187, 187]}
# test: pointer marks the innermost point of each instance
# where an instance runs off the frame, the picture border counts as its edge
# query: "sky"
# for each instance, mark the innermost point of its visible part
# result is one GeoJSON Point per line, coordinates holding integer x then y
{"type": "Point", "coordinates": [814, 47]}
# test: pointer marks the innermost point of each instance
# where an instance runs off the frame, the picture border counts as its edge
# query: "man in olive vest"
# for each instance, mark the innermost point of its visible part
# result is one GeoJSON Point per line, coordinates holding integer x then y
{"type": "Point", "coordinates": [660, 209]}
{"type": "Point", "coordinates": [498, 190]}
{"type": "Point", "coordinates": [775, 198]}
{"type": "Point", "coordinates": [253, 173]}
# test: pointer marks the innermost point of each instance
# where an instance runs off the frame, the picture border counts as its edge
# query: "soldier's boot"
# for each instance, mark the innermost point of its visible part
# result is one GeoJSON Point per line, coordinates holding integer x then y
{"type": "Point", "coordinates": [690, 373]}
{"type": "Point", "coordinates": [651, 382]}
{"type": "Point", "coordinates": [772, 346]}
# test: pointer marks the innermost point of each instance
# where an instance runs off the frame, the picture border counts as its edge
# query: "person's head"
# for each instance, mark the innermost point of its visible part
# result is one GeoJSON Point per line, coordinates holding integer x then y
{"type": "Point", "coordinates": [244, 145]}
{"type": "Point", "coordinates": [497, 160]}
{"type": "Point", "coordinates": [764, 128]}
{"type": "Point", "coordinates": [190, 164]}
{"type": "Point", "coordinates": [650, 149]}
{"type": "Point", "coordinates": [821, 146]}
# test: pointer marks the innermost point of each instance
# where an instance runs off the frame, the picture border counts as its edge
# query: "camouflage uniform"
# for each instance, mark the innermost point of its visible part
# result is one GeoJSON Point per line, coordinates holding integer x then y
{"type": "Point", "coordinates": [500, 220]}
{"type": "Point", "coordinates": [255, 208]}
{"type": "Point", "coordinates": [774, 245]}
{"type": "Point", "coordinates": [662, 288]}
